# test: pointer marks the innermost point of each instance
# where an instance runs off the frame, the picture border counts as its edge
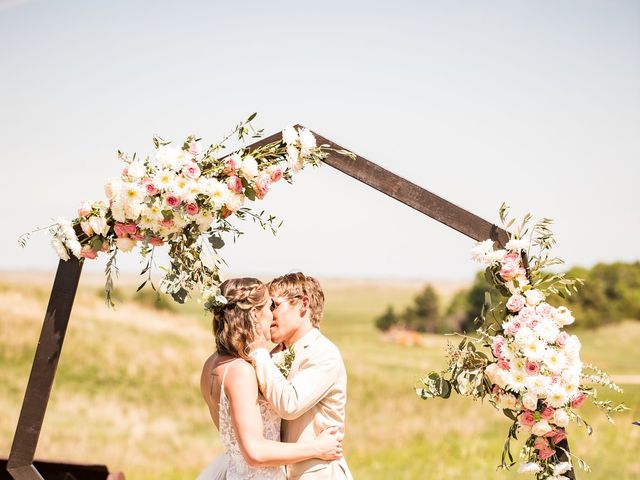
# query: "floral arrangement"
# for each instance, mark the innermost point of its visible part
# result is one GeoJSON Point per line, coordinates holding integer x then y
{"type": "Point", "coordinates": [521, 359]}
{"type": "Point", "coordinates": [184, 196]}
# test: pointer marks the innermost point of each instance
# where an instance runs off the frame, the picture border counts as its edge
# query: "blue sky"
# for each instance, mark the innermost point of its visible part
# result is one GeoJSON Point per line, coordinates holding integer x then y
{"type": "Point", "coordinates": [533, 103]}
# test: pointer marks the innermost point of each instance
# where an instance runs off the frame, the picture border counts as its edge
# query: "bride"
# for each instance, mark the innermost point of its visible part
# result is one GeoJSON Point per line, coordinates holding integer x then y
{"type": "Point", "coordinates": [249, 427]}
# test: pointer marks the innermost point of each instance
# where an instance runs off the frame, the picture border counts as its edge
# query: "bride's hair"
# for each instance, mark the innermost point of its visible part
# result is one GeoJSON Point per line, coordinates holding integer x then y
{"type": "Point", "coordinates": [233, 327]}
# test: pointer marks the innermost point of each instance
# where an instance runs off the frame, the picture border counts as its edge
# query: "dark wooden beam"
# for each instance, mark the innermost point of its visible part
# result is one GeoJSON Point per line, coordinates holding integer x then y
{"type": "Point", "coordinates": [43, 371]}
{"type": "Point", "coordinates": [406, 192]}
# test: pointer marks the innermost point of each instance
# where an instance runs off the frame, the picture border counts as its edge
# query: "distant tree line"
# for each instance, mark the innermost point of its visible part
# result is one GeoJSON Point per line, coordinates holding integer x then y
{"type": "Point", "coordinates": [611, 293]}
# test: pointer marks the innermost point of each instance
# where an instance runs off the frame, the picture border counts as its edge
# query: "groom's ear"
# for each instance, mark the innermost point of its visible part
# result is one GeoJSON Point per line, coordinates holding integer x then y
{"type": "Point", "coordinates": [304, 305]}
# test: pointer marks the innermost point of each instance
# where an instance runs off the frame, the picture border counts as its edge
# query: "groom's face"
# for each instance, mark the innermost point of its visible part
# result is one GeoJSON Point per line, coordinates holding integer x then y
{"type": "Point", "coordinates": [286, 318]}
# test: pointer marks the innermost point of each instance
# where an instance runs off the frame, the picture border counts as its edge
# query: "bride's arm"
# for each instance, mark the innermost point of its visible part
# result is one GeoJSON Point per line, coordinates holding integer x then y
{"type": "Point", "coordinates": [242, 391]}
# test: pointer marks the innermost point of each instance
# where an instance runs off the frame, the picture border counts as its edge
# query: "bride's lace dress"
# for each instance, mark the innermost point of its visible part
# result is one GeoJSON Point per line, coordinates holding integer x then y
{"type": "Point", "coordinates": [238, 468]}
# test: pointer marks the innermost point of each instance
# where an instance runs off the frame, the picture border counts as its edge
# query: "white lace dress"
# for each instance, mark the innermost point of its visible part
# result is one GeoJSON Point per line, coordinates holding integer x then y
{"type": "Point", "coordinates": [238, 469]}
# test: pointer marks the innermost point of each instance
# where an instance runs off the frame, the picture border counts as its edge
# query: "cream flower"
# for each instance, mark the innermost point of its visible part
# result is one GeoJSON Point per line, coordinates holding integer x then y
{"type": "Point", "coordinates": [112, 188]}
{"type": "Point", "coordinates": [307, 141]}
{"type": "Point", "coordinates": [289, 135]}
{"type": "Point", "coordinates": [294, 160]}
{"type": "Point", "coordinates": [540, 428]}
{"type": "Point", "coordinates": [557, 397]}
{"type": "Point", "coordinates": [563, 316]}
{"type": "Point", "coordinates": [125, 244]}
{"type": "Point", "coordinates": [555, 360]}
{"type": "Point", "coordinates": [59, 248]}
{"type": "Point", "coordinates": [529, 467]}
{"type": "Point", "coordinates": [482, 252]}
{"type": "Point", "coordinates": [164, 180]}
{"type": "Point", "coordinates": [533, 296]}
{"type": "Point", "coordinates": [517, 244]}
{"type": "Point", "coordinates": [530, 401]}
{"type": "Point", "coordinates": [136, 169]}
{"type": "Point", "coordinates": [249, 167]}
{"type": "Point", "coordinates": [560, 418]}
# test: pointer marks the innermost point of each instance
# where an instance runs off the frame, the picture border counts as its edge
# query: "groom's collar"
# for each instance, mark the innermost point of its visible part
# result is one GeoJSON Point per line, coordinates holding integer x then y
{"type": "Point", "coordinates": [307, 339]}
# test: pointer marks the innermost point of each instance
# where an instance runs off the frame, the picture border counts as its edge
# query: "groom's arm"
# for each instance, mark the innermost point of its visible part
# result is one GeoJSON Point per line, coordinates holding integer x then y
{"type": "Point", "coordinates": [312, 381]}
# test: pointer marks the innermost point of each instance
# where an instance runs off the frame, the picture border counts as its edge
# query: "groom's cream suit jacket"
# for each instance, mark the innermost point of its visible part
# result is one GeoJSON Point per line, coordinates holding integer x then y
{"type": "Point", "coordinates": [311, 398]}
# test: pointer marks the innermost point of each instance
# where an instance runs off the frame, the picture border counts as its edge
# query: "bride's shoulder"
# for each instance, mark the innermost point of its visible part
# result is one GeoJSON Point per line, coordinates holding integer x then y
{"type": "Point", "coordinates": [240, 378]}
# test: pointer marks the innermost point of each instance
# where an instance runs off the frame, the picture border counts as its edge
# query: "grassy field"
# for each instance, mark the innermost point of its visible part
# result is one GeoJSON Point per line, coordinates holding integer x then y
{"type": "Point", "coordinates": [126, 393]}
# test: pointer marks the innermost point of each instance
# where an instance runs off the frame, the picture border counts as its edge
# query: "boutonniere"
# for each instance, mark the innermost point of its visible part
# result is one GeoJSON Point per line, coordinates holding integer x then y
{"type": "Point", "coordinates": [287, 357]}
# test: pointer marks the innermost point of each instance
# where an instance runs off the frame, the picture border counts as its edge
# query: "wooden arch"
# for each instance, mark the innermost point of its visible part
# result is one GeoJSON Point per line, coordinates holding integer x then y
{"type": "Point", "coordinates": [21, 459]}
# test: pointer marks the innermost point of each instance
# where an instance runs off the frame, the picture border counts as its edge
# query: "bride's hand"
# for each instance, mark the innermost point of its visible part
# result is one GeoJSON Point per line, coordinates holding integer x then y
{"type": "Point", "coordinates": [329, 444]}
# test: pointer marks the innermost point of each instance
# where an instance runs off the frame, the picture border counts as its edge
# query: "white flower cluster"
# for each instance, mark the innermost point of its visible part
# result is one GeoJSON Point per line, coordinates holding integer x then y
{"type": "Point", "coordinates": [537, 369]}
{"type": "Point", "coordinates": [178, 190]}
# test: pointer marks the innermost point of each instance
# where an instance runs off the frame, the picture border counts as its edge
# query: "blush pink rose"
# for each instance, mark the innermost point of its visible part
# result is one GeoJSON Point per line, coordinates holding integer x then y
{"type": "Point", "coordinates": [262, 186]}
{"type": "Point", "coordinates": [119, 229]}
{"type": "Point", "coordinates": [545, 310]}
{"type": "Point", "coordinates": [547, 413]}
{"type": "Point", "coordinates": [172, 200]}
{"type": "Point", "coordinates": [156, 242]}
{"type": "Point", "coordinates": [514, 326]}
{"type": "Point", "coordinates": [234, 184]}
{"type": "Point", "coordinates": [562, 338]}
{"type": "Point", "coordinates": [88, 252]}
{"type": "Point", "coordinates": [230, 166]}
{"type": "Point", "coordinates": [84, 209]}
{"type": "Point", "coordinates": [275, 173]}
{"type": "Point", "coordinates": [167, 223]}
{"type": "Point", "coordinates": [526, 314]}
{"type": "Point", "coordinates": [191, 170]}
{"type": "Point", "coordinates": [532, 368]}
{"type": "Point", "coordinates": [540, 443]}
{"type": "Point", "coordinates": [533, 322]}
{"type": "Point", "coordinates": [559, 436]}
{"type": "Point", "coordinates": [578, 400]}
{"type": "Point", "coordinates": [191, 208]}
{"type": "Point", "coordinates": [86, 228]}
{"type": "Point", "coordinates": [515, 303]}
{"type": "Point", "coordinates": [194, 148]}
{"type": "Point", "coordinates": [527, 418]}
{"type": "Point", "coordinates": [497, 344]}
{"type": "Point", "coordinates": [137, 237]}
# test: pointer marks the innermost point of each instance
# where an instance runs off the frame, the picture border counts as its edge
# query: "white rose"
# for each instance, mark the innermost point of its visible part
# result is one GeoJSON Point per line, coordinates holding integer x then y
{"type": "Point", "coordinates": [507, 401]}
{"type": "Point", "coordinates": [112, 188]}
{"type": "Point", "coordinates": [540, 428]}
{"type": "Point", "coordinates": [249, 167]}
{"type": "Point", "coordinates": [530, 401]}
{"type": "Point", "coordinates": [560, 418]}
{"type": "Point", "coordinates": [235, 201]}
{"type": "Point", "coordinates": [293, 159]}
{"type": "Point", "coordinates": [125, 244]}
{"type": "Point", "coordinates": [59, 248]}
{"type": "Point", "coordinates": [562, 467]}
{"type": "Point", "coordinates": [563, 316]}
{"type": "Point", "coordinates": [490, 371]}
{"type": "Point", "coordinates": [289, 135]}
{"type": "Point", "coordinates": [99, 225]}
{"type": "Point", "coordinates": [307, 141]}
{"type": "Point", "coordinates": [517, 244]}
{"type": "Point", "coordinates": [502, 378]}
{"type": "Point", "coordinates": [533, 296]}
{"type": "Point", "coordinates": [136, 169]}
{"type": "Point", "coordinates": [529, 468]}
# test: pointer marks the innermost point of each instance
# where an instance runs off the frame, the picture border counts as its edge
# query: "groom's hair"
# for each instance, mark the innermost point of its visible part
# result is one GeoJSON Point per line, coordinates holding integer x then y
{"type": "Point", "coordinates": [298, 285]}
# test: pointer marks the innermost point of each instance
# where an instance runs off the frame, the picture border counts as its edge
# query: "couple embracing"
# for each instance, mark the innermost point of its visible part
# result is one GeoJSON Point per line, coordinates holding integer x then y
{"type": "Point", "coordinates": [280, 414]}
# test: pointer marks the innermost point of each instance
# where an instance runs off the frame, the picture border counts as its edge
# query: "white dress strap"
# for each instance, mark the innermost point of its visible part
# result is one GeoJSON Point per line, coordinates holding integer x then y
{"type": "Point", "coordinates": [224, 374]}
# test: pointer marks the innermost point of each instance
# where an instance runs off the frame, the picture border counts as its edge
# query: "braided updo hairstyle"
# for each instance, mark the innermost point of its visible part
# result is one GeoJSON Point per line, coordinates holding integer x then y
{"type": "Point", "coordinates": [233, 327]}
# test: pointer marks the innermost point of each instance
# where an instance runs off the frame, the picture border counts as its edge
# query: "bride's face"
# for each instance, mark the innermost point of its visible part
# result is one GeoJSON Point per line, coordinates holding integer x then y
{"type": "Point", "coordinates": [264, 318]}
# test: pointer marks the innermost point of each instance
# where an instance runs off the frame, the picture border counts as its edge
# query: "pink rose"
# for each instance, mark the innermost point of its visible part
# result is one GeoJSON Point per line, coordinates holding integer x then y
{"type": "Point", "coordinates": [497, 344]}
{"type": "Point", "coordinates": [130, 228]}
{"type": "Point", "coordinates": [172, 200]}
{"type": "Point", "coordinates": [559, 436]}
{"type": "Point", "coordinates": [275, 173]}
{"type": "Point", "coordinates": [125, 171]}
{"type": "Point", "coordinates": [156, 242]}
{"type": "Point", "coordinates": [194, 148]}
{"type": "Point", "coordinates": [503, 364]}
{"type": "Point", "coordinates": [515, 303]}
{"type": "Point", "coordinates": [540, 443]}
{"type": "Point", "coordinates": [119, 229]}
{"type": "Point", "coordinates": [230, 166]}
{"type": "Point", "coordinates": [533, 322]}
{"type": "Point", "coordinates": [578, 400]}
{"type": "Point", "coordinates": [545, 310]}
{"type": "Point", "coordinates": [526, 314]}
{"type": "Point", "coordinates": [191, 170]}
{"type": "Point", "coordinates": [547, 413]}
{"type": "Point", "coordinates": [88, 252]}
{"type": "Point", "coordinates": [562, 338]}
{"type": "Point", "coordinates": [532, 368]}
{"type": "Point", "coordinates": [167, 223]}
{"type": "Point", "coordinates": [514, 326]}
{"type": "Point", "coordinates": [527, 418]}
{"type": "Point", "coordinates": [191, 208]}
{"type": "Point", "coordinates": [512, 257]}
{"type": "Point", "coordinates": [262, 186]}
{"type": "Point", "coordinates": [84, 209]}
{"type": "Point", "coordinates": [234, 184]}
{"type": "Point", "coordinates": [150, 188]}
{"type": "Point", "coordinates": [546, 453]}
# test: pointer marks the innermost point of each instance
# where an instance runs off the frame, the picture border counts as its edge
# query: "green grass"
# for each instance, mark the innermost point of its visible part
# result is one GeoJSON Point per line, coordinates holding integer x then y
{"type": "Point", "coordinates": [126, 393]}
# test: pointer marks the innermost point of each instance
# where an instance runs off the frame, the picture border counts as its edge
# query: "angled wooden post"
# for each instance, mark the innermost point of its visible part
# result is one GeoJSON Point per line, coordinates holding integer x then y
{"type": "Point", "coordinates": [43, 371]}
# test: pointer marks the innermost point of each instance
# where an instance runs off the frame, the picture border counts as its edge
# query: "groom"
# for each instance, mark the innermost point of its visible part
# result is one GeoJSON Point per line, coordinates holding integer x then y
{"type": "Point", "coordinates": [312, 397]}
